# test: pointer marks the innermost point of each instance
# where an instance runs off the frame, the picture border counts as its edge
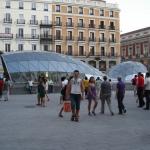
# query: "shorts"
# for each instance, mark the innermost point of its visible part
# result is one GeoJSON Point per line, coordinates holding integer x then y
{"type": "Point", "coordinates": [75, 101]}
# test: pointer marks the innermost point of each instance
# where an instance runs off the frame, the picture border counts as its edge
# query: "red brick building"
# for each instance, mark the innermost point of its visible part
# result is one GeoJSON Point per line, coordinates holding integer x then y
{"type": "Point", "coordinates": [135, 46]}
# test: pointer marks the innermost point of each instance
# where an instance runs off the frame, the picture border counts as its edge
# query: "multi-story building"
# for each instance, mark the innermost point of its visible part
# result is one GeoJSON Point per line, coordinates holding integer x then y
{"type": "Point", "coordinates": [86, 29]}
{"type": "Point", "coordinates": [135, 46]}
{"type": "Point", "coordinates": [25, 25]}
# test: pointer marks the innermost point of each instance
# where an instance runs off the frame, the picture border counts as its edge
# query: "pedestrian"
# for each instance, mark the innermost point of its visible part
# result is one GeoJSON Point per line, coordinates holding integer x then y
{"type": "Point", "coordinates": [46, 88]}
{"type": "Point", "coordinates": [105, 95]}
{"type": "Point", "coordinates": [120, 93]}
{"type": "Point", "coordinates": [6, 89]}
{"type": "Point", "coordinates": [140, 89]}
{"type": "Point", "coordinates": [91, 96]}
{"type": "Point", "coordinates": [1, 87]}
{"type": "Point", "coordinates": [134, 84]}
{"type": "Point", "coordinates": [38, 94]}
{"type": "Point", "coordinates": [98, 87]}
{"type": "Point", "coordinates": [147, 91]}
{"type": "Point", "coordinates": [75, 89]}
{"type": "Point", "coordinates": [63, 94]}
{"type": "Point", "coordinates": [86, 84]}
{"type": "Point", "coordinates": [41, 93]}
{"type": "Point", "coordinates": [30, 83]}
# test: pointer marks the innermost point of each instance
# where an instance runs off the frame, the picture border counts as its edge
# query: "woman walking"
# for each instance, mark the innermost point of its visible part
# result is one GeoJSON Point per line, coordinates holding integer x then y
{"type": "Point", "coordinates": [91, 96]}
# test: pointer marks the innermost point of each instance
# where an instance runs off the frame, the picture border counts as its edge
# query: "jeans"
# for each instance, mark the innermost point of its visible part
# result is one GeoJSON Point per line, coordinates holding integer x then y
{"type": "Point", "coordinates": [140, 92]}
{"type": "Point", "coordinates": [147, 96]}
{"type": "Point", "coordinates": [121, 106]}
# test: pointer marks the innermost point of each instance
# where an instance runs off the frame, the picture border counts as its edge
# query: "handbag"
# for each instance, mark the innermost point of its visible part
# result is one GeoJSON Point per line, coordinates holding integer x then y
{"type": "Point", "coordinates": [67, 106]}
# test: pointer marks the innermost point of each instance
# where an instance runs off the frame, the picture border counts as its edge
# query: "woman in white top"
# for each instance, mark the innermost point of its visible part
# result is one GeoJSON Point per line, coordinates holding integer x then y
{"type": "Point", "coordinates": [147, 91]}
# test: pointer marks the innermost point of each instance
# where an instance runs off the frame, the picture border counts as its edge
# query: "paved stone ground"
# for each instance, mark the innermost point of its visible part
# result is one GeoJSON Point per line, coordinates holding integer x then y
{"type": "Point", "coordinates": [24, 126]}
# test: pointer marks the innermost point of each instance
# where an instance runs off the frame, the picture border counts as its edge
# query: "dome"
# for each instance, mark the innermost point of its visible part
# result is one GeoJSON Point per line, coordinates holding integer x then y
{"type": "Point", "coordinates": [18, 63]}
{"type": "Point", "coordinates": [126, 68]}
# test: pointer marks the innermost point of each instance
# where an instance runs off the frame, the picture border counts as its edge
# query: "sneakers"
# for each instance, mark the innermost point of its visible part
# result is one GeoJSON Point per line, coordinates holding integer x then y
{"type": "Point", "coordinates": [74, 118]}
{"type": "Point", "coordinates": [93, 113]}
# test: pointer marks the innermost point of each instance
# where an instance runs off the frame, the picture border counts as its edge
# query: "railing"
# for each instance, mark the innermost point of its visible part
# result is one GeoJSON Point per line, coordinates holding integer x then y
{"type": "Point", "coordinates": [57, 23]}
{"type": "Point", "coordinates": [27, 36]}
{"type": "Point", "coordinates": [92, 39]}
{"type": "Point", "coordinates": [58, 37]}
{"type": "Point", "coordinates": [69, 24]}
{"type": "Point", "coordinates": [82, 25]}
{"type": "Point", "coordinates": [6, 35]}
{"type": "Point", "coordinates": [20, 21]}
{"type": "Point", "coordinates": [102, 27]}
{"type": "Point", "coordinates": [91, 25]}
{"type": "Point", "coordinates": [81, 38]}
{"type": "Point", "coordinates": [6, 20]}
{"type": "Point", "coordinates": [112, 40]}
{"type": "Point", "coordinates": [46, 23]}
{"type": "Point", "coordinates": [34, 22]}
{"type": "Point", "coordinates": [102, 40]}
{"type": "Point", "coordinates": [111, 27]}
{"type": "Point", "coordinates": [69, 38]}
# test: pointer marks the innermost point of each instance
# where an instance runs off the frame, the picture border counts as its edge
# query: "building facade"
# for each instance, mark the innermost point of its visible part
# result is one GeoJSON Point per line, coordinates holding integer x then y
{"type": "Point", "coordinates": [135, 46]}
{"type": "Point", "coordinates": [89, 30]}
{"type": "Point", "coordinates": [25, 25]}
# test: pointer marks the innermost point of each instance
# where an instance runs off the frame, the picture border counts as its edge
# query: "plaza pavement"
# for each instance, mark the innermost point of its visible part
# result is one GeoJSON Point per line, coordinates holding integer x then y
{"type": "Point", "coordinates": [24, 126]}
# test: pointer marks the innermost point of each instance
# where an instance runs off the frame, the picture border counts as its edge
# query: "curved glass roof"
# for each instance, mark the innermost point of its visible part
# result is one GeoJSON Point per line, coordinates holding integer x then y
{"type": "Point", "coordinates": [126, 68]}
{"type": "Point", "coordinates": [45, 62]}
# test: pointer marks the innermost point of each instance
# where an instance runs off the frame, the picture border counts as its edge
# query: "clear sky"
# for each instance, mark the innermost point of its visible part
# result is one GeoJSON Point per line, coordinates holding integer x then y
{"type": "Point", "coordinates": [135, 14]}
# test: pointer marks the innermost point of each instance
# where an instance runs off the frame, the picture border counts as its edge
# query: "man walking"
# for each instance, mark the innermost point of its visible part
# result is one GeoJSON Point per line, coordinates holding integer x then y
{"type": "Point", "coordinates": [105, 95]}
{"type": "Point", "coordinates": [75, 89]}
{"type": "Point", "coordinates": [120, 93]}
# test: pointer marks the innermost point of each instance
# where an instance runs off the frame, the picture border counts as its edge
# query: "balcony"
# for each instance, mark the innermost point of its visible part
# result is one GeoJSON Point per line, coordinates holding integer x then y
{"type": "Point", "coordinates": [46, 39]}
{"type": "Point", "coordinates": [33, 22]}
{"type": "Point", "coordinates": [92, 39]}
{"type": "Point", "coordinates": [69, 38]}
{"type": "Point", "coordinates": [20, 21]}
{"type": "Point", "coordinates": [102, 40]}
{"type": "Point", "coordinates": [112, 40]}
{"type": "Point", "coordinates": [81, 38]}
{"type": "Point", "coordinates": [6, 36]}
{"type": "Point", "coordinates": [81, 25]}
{"type": "Point", "coordinates": [91, 25]}
{"type": "Point", "coordinates": [69, 11]}
{"type": "Point", "coordinates": [20, 7]}
{"type": "Point", "coordinates": [58, 38]}
{"type": "Point", "coordinates": [27, 36]}
{"type": "Point", "coordinates": [102, 27]}
{"type": "Point", "coordinates": [7, 20]}
{"type": "Point", "coordinates": [111, 27]}
{"type": "Point", "coordinates": [57, 23]}
{"type": "Point", "coordinates": [45, 24]}
{"type": "Point", "coordinates": [69, 24]}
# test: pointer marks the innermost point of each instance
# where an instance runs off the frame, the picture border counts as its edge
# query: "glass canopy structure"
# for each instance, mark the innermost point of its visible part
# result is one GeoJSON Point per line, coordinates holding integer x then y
{"type": "Point", "coordinates": [126, 68]}
{"type": "Point", "coordinates": [23, 65]}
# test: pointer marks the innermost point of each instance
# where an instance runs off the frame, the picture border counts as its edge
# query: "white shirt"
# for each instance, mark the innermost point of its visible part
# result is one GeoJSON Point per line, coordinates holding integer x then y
{"type": "Point", "coordinates": [147, 83]}
{"type": "Point", "coordinates": [30, 83]}
{"type": "Point", "coordinates": [64, 83]}
{"type": "Point", "coordinates": [76, 86]}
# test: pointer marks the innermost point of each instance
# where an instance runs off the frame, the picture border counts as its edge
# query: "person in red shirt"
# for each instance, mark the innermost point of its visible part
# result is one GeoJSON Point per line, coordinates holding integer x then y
{"type": "Point", "coordinates": [1, 87]}
{"type": "Point", "coordinates": [140, 89]}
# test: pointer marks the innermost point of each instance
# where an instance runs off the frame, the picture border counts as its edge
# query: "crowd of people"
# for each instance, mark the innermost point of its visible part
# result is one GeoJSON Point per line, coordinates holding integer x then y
{"type": "Point", "coordinates": [141, 86]}
{"type": "Point", "coordinates": [75, 89]}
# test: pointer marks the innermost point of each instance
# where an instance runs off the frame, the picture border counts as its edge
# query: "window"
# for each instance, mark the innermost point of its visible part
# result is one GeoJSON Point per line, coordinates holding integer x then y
{"type": "Point", "coordinates": [69, 21]}
{"type": "Point", "coordinates": [112, 51]}
{"type": "Point", "coordinates": [57, 8]}
{"type": "Point", "coordinates": [33, 20]}
{"type": "Point", "coordinates": [21, 19]}
{"type": "Point", "coordinates": [45, 32]}
{"type": "Point", "coordinates": [80, 10]}
{"type": "Point", "coordinates": [111, 14]}
{"type": "Point", "coordinates": [58, 48]}
{"type": "Point", "coordinates": [69, 49]}
{"type": "Point", "coordinates": [46, 20]}
{"type": "Point", "coordinates": [8, 30]}
{"type": "Point", "coordinates": [33, 32]}
{"type": "Point", "coordinates": [58, 34]}
{"type": "Point", "coordinates": [45, 47]}
{"type": "Point", "coordinates": [101, 12]}
{"type": "Point", "coordinates": [7, 17]}
{"type": "Point", "coordinates": [69, 9]}
{"type": "Point", "coordinates": [7, 4]}
{"type": "Point", "coordinates": [102, 26]}
{"type": "Point", "coordinates": [112, 27]}
{"type": "Point", "coordinates": [80, 35]}
{"type": "Point", "coordinates": [33, 6]}
{"type": "Point", "coordinates": [45, 7]}
{"type": "Point", "coordinates": [20, 47]}
{"type": "Point", "coordinates": [7, 47]}
{"type": "Point", "coordinates": [112, 38]}
{"type": "Point", "coordinates": [92, 52]}
{"type": "Point", "coordinates": [80, 23]}
{"type": "Point", "coordinates": [20, 32]}
{"type": "Point", "coordinates": [21, 4]}
{"type": "Point", "coordinates": [92, 36]}
{"type": "Point", "coordinates": [102, 37]}
{"type": "Point", "coordinates": [102, 51]}
{"type": "Point", "coordinates": [33, 47]}
{"type": "Point", "coordinates": [91, 25]}
{"type": "Point", "coordinates": [70, 35]}
{"type": "Point", "coordinates": [91, 11]}
{"type": "Point", "coordinates": [58, 21]}
{"type": "Point", "coordinates": [81, 50]}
